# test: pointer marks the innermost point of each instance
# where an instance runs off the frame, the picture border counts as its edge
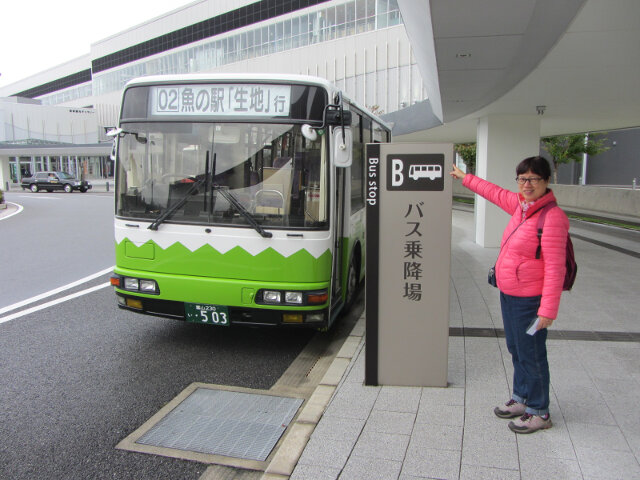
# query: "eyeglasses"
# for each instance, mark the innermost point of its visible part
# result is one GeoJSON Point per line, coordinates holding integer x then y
{"type": "Point", "coordinates": [531, 180]}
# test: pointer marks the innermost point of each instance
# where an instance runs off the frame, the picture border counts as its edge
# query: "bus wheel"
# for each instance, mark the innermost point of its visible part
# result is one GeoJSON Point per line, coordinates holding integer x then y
{"type": "Point", "coordinates": [352, 285]}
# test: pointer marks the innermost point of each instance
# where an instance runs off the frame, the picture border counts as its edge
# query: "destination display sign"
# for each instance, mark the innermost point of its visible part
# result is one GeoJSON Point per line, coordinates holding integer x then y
{"type": "Point", "coordinates": [221, 100]}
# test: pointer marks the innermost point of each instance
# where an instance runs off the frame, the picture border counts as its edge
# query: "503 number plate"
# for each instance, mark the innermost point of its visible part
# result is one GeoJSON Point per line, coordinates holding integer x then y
{"type": "Point", "coordinates": [209, 314]}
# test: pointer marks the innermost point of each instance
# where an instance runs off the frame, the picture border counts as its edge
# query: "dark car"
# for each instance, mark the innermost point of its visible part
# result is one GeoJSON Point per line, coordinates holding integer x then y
{"type": "Point", "coordinates": [51, 181]}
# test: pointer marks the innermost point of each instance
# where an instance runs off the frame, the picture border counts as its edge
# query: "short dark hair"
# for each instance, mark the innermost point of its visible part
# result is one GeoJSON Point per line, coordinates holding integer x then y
{"type": "Point", "coordinates": [537, 165]}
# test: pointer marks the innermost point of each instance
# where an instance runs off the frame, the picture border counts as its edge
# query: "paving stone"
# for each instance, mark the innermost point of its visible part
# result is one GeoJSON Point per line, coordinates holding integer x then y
{"type": "Point", "coordinates": [390, 422]}
{"type": "Point", "coordinates": [598, 463]}
{"type": "Point", "coordinates": [442, 464]}
{"type": "Point", "coordinates": [386, 446]}
{"type": "Point", "coordinates": [538, 467]}
{"type": "Point", "coordinates": [326, 452]}
{"type": "Point", "coordinates": [476, 472]}
{"type": "Point", "coordinates": [398, 399]}
{"type": "Point", "coordinates": [314, 472]}
{"type": "Point", "coordinates": [364, 468]}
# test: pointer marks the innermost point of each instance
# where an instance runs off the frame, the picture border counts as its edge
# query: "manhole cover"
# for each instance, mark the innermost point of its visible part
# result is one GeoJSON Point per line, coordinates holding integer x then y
{"type": "Point", "coordinates": [221, 422]}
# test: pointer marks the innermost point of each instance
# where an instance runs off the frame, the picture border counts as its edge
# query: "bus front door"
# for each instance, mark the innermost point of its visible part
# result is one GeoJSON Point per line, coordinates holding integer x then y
{"type": "Point", "coordinates": [338, 212]}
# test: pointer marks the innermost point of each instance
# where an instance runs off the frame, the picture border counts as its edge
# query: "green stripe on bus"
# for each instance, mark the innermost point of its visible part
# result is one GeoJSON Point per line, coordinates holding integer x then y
{"type": "Point", "coordinates": [237, 263]}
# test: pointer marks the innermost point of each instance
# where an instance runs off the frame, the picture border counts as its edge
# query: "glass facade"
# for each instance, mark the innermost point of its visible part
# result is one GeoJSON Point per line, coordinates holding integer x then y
{"type": "Point", "coordinates": [68, 94]}
{"type": "Point", "coordinates": [335, 21]}
{"type": "Point", "coordinates": [332, 22]}
{"type": "Point", "coordinates": [59, 84]}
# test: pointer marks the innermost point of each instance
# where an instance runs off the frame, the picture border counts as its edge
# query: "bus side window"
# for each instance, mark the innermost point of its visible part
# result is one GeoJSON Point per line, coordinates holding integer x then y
{"type": "Point", "coordinates": [360, 127]}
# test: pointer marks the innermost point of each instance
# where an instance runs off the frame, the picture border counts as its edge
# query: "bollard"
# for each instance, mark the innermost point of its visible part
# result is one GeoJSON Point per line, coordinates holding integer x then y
{"type": "Point", "coordinates": [107, 186]}
{"type": "Point", "coordinates": [634, 184]}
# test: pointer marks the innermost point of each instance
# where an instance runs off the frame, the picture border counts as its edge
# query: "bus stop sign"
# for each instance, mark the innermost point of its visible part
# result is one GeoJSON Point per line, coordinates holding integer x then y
{"type": "Point", "coordinates": [408, 263]}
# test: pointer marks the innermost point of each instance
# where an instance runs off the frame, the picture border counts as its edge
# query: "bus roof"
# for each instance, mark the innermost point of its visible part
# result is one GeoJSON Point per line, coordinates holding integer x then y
{"type": "Point", "coordinates": [248, 77]}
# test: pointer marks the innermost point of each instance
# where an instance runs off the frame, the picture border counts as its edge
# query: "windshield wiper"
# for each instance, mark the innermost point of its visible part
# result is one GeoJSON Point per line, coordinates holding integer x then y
{"type": "Point", "coordinates": [243, 211]}
{"type": "Point", "coordinates": [172, 209]}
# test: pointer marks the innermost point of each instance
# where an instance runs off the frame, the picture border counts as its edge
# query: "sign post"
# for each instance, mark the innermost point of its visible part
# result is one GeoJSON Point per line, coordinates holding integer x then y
{"type": "Point", "coordinates": [408, 264]}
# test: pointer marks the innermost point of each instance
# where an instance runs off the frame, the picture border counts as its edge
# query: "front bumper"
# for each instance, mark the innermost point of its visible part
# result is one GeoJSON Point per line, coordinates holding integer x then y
{"type": "Point", "coordinates": [238, 315]}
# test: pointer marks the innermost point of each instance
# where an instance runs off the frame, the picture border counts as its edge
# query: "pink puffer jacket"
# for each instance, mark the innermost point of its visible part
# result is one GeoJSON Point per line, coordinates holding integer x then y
{"type": "Point", "coordinates": [517, 271]}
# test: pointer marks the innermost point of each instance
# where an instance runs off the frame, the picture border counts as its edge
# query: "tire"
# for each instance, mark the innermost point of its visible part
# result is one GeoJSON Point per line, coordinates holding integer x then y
{"type": "Point", "coordinates": [68, 188]}
{"type": "Point", "coordinates": [34, 188]}
{"type": "Point", "coordinates": [352, 285]}
{"type": "Point", "coordinates": [83, 190]}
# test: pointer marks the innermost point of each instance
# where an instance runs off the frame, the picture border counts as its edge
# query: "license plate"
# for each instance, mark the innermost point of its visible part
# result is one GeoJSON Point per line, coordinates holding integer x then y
{"type": "Point", "coordinates": [210, 314]}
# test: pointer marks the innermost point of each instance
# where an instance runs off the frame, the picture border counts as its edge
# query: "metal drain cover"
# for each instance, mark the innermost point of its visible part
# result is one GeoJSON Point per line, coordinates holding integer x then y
{"type": "Point", "coordinates": [221, 422]}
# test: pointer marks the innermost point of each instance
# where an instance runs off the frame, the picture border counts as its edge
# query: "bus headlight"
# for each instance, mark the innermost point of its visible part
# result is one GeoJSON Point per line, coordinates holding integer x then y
{"type": "Point", "coordinates": [293, 297]}
{"type": "Point", "coordinates": [270, 296]}
{"type": "Point", "coordinates": [132, 284]}
{"type": "Point", "coordinates": [148, 286]}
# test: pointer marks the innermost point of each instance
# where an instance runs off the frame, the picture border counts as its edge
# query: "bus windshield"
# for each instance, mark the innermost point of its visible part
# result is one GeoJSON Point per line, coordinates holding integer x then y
{"type": "Point", "coordinates": [228, 174]}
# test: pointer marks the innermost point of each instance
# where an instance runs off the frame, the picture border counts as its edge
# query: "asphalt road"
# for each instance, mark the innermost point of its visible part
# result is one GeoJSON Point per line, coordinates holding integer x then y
{"type": "Point", "coordinates": [78, 377]}
{"type": "Point", "coordinates": [58, 238]}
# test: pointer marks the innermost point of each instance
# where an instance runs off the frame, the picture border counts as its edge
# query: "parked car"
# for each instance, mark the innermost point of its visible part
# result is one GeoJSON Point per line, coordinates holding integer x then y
{"type": "Point", "coordinates": [51, 181]}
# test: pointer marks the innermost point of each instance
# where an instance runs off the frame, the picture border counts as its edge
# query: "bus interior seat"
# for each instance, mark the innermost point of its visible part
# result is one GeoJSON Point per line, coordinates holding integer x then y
{"type": "Point", "coordinates": [269, 202]}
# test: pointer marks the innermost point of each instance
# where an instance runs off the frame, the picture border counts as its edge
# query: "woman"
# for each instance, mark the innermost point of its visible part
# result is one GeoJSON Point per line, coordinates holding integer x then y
{"type": "Point", "coordinates": [530, 288]}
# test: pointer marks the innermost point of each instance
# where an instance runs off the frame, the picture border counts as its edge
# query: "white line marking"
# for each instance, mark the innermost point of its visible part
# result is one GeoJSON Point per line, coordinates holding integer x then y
{"type": "Point", "coordinates": [53, 302]}
{"type": "Point", "coordinates": [20, 208]}
{"type": "Point", "coordinates": [39, 197]}
{"type": "Point", "coordinates": [55, 290]}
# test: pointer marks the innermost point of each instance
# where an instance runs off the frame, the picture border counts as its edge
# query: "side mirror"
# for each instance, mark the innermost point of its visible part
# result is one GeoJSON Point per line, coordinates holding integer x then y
{"type": "Point", "coordinates": [114, 132]}
{"type": "Point", "coordinates": [114, 149]}
{"type": "Point", "coordinates": [342, 146]}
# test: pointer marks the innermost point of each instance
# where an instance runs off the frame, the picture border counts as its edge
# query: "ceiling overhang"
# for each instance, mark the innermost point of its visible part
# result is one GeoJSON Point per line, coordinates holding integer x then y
{"type": "Point", "coordinates": [506, 57]}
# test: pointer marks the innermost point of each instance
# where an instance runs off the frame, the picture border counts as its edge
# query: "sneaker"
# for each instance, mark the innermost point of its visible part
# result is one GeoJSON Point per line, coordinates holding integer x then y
{"type": "Point", "coordinates": [511, 409]}
{"type": "Point", "coordinates": [528, 423]}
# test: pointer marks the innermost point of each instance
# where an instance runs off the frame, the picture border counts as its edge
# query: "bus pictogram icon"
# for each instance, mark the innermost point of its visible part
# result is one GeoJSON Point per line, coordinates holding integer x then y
{"type": "Point", "coordinates": [425, 171]}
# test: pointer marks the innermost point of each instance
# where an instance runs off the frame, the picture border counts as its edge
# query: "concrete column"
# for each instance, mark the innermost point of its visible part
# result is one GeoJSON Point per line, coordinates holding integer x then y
{"type": "Point", "coordinates": [502, 142]}
{"type": "Point", "coordinates": [5, 176]}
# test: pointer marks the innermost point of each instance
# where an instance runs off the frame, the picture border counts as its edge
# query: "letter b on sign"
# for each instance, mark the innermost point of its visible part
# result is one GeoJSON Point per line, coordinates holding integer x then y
{"type": "Point", "coordinates": [397, 178]}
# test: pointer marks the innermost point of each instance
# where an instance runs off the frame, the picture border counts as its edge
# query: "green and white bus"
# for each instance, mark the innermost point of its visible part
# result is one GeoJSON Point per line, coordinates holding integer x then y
{"type": "Point", "coordinates": [240, 198]}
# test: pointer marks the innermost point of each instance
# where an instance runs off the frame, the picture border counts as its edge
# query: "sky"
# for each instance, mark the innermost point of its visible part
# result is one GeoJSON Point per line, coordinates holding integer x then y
{"type": "Point", "coordinates": [39, 34]}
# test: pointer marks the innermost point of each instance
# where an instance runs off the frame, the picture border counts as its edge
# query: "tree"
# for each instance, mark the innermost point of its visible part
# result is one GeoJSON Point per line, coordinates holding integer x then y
{"type": "Point", "coordinates": [565, 148]}
{"type": "Point", "coordinates": [468, 153]}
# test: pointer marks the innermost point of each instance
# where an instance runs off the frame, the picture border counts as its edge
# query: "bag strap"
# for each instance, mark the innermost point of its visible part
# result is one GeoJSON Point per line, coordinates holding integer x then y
{"type": "Point", "coordinates": [541, 218]}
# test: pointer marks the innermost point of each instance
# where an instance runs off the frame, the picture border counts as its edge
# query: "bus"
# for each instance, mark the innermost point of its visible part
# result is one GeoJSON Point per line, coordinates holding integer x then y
{"type": "Point", "coordinates": [240, 199]}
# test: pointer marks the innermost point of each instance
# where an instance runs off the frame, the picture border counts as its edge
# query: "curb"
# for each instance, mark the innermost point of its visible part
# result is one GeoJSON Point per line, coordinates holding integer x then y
{"type": "Point", "coordinates": [9, 209]}
{"type": "Point", "coordinates": [286, 458]}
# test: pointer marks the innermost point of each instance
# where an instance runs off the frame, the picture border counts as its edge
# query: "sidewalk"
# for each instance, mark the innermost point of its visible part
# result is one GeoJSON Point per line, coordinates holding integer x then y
{"type": "Point", "coordinates": [411, 433]}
